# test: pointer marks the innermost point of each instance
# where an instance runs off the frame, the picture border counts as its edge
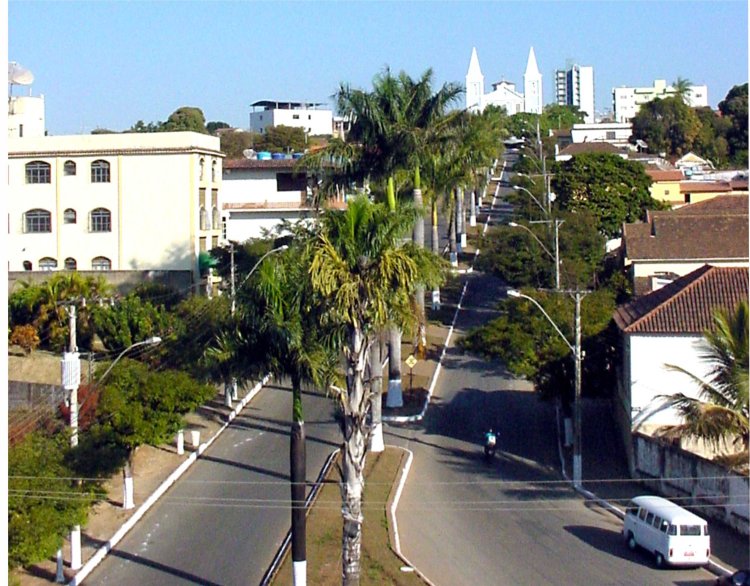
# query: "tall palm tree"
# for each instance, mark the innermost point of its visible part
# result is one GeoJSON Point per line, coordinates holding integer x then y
{"type": "Point", "coordinates": [721, 413]}
{"type": "Point", "coordinates": [366, 279]}
{"type": "Point", "coordinates": [682, 89]}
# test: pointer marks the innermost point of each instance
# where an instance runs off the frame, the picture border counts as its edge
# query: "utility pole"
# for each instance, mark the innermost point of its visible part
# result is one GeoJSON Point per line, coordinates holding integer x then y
{"type": "Point", "coordinates": [577, 459]}
{"type": "Point", "coordinates": [230, 393]}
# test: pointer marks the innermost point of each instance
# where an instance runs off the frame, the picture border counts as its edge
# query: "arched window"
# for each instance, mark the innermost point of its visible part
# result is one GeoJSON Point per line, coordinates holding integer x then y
{"type": "Point", "coordinates": [27, 265]}
{"type": "Point", "coordinates": [101, 263]}
{"type": "Point", "coordinates": [100, 172]}
{"type": "Point", "coordinates": [215, 219]}
{"type": "Point", "coordinates": [69, 168]}
{"type": "Point", "coordinates": [36, 221]}
{"type": "Point", "coordinates": [69, 216]}
{"type": "Point", "coordinates": [203, 168]}
{"type": "Point", "coordinates": [213, 170]}
{"type": "Point", "coordinates": [38, 172]}
{"type": "Point", "coordinates": [101, 220]}
{"type": "Point", "coordinates": [70, 264]}
{"type": "Point", "coordinates": [203, 219]}
{"type": "Point", "coordinates": [47, 264]}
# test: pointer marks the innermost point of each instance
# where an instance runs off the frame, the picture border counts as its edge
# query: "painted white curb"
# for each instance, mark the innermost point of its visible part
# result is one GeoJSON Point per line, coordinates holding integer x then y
{"type": "Point", "coordinates": [100, 554]}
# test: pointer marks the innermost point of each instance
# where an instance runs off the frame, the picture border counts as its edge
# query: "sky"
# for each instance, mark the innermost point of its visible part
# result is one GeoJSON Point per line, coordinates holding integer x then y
{"type": "Point", "coordinates": [108, 64]}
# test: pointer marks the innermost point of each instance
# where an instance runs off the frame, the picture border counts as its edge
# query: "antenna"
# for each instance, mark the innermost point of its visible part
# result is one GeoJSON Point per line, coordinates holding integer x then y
{"type": "Point", "coordinates": [18, 75]}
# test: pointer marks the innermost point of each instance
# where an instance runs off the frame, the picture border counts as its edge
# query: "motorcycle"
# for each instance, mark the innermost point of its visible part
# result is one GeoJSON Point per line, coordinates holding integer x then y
{"type": "Point", "coordinates": [490, 445]}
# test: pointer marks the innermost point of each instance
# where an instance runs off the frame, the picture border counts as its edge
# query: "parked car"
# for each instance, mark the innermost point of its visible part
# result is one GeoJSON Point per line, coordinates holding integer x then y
{"type": "Point", "coordinates": [739, 578]}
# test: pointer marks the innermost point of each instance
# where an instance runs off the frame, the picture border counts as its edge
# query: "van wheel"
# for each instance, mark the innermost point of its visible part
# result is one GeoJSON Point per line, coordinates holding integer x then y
{"type": "Point", "coordinates": [659, 560]}
{"type": "Point", "coordinates": [631, 542]}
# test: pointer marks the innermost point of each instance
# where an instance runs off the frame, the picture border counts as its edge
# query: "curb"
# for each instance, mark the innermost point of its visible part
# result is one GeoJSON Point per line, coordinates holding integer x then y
{"type": "Point", "coordinates": [102, 552]}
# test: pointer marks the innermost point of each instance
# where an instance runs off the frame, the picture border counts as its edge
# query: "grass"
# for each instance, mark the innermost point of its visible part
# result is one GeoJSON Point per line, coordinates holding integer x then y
{"type": "Point", "coordinates": [380, 565]}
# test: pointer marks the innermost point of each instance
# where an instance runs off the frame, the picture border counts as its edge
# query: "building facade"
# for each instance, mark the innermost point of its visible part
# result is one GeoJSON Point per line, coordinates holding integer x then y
{"type": "Point", "coordinates": [574, 86]}
{"type": "Point", "coordinates": [26, 116]}
{"type": "Point", "coordinates": [311, 117]}
{"type": "Point", "coordinates": [627, 101]}
{"type": "Point", "coordinates": [113, 202]}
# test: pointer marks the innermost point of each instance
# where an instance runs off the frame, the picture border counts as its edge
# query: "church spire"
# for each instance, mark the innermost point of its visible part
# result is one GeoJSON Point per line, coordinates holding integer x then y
{"type": "Point", "coordinates": [474, 70]}
{"type": "Point", "coordinates": [532, 69]}
{"type": "Point", "coordinates": [532, 86]}
{"type": "Point", "coordinates": [474, 84]}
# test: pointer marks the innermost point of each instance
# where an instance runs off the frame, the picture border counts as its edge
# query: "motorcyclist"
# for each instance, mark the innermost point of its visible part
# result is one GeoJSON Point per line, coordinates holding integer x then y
{"type": "Point", "coordinates": [490, 442]}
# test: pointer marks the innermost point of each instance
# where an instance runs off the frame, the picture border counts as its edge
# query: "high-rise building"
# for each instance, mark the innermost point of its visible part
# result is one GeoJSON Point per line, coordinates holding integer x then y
{"type": "Point", "coordinates": [627, 101]}
{"type": "Point", "coordinates": [574, 86]}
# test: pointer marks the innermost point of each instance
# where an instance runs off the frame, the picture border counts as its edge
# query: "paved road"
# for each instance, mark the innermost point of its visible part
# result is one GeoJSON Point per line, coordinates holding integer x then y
{"type": "Point", "coordinates": [223, 522]}
{"type": "Point", "coordinates": [513, 521]}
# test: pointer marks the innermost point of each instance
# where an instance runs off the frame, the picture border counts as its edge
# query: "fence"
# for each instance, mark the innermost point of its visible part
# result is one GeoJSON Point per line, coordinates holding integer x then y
{"type": "Point", "coordinates": [710, 488]}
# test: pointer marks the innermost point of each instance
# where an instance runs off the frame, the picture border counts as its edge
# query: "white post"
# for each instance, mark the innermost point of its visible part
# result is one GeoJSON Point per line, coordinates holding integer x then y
{"type": "Point", "coordinates": [228, 395]}
{"type": "Point", "coordinates": [195, 436]}
{"type": "Point", "coordinates": [127, 494]}
{"type": "Point", "coordinates": [75, 548]}
{"type": "Point", "coordinates": [473, 209]}
{"type": "Point", "coordinates": [60, 575]}
{"type": "Point", "coordinates": [180, 442]}
{"type": "Point", "coordinates": [299, 570]}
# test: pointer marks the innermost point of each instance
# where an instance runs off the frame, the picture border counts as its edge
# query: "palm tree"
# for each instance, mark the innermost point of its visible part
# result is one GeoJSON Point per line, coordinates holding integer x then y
{"type": "Point", "coordinates": [682, 89]}
{"type": "Point", "coordinates": [366, 279]}
{"type": "Point", "coordinates": [721, 414]}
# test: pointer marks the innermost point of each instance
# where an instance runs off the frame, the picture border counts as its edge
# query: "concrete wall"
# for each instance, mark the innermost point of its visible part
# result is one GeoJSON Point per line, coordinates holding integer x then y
{"type": "Point", "coordinates": [122, 281]}
{"type": "Point", "coordinates": [27, 395]}
{"type": "Point", "coordinates": [712, 489]}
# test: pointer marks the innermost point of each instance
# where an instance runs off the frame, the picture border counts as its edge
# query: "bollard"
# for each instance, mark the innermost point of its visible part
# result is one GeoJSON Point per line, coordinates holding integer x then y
{"type": "Point", "coordinates": [195, 436]}
{"type": "Point", "coordinates": [60, 576]}
{"type": "Point", "coordinates": [75, 548]}
{"type": "Point", "coordinates": [180, 442]}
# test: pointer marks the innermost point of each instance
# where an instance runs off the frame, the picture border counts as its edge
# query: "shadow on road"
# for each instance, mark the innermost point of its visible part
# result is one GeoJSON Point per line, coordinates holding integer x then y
{"type": "Point", "coordinates": [163, 568]}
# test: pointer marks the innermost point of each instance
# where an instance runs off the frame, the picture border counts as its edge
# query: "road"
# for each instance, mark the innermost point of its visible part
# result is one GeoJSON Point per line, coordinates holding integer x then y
{"type": "Point", "coordinates": [223, 522]}
{"type": "Point", "coordinates": [513, 521]}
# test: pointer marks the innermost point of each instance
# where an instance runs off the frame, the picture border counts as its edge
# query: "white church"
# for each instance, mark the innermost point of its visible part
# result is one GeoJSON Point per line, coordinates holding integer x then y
{"type": "Point", "coordinates": [504, 93]}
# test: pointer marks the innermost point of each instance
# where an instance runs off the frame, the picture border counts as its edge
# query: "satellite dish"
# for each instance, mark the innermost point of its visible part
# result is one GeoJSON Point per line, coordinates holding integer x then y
{"type": "Point", "coordinates": [248, 153]}
{"type": "Point", "coordinates": [18, 75]}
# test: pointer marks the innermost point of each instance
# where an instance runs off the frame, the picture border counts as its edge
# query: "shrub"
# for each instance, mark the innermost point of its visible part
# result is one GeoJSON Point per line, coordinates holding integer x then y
{"type": "Point", "coordinates": [26, 337]}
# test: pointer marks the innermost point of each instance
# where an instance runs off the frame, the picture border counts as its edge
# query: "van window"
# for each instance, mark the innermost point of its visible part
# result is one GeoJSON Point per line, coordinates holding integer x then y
{"type": "Point", "coordinates": [690, 530]}
{"type": "Point", "coordinates": [664, 527]}
{"type": "Point", "coordinates": [642, 514]}
{"type": "Point", "coordinates": [657, 522]}
{"type": "Point", "coordinates": [705, 530]}
{"type": "Point", "coordinates": [650, 519]}
{"type": "Point", "coordinates": [672, 530]}
{"type": "Point", "coordinates": [632, 510]}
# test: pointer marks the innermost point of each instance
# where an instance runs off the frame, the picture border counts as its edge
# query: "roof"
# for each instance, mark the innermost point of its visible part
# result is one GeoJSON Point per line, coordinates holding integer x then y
{"type": "Point", "coordinates": [286, 104]}
{"type": "Point", "coordinates": [683, 236]}
{"type": "Point", "coordinates": [290, 164]}
{"type": "Point", "coordinates": [666, 509]}
{"type": "Point", "coordinates": [721, 204]}
{"type": "Point", "coordinates": [705, 186]}
{"type": "Point", "coordinates": [665, 175]}
{"type": "Point", "coordinates": [687, 304]}
{"type": "Point", "coordinates": [591, 147]}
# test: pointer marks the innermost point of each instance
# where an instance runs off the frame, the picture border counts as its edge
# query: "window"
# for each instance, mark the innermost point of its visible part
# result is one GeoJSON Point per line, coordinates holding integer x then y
{"type": "Point", "coordinates": [69, 216]}
{"type": "Point", "coordinates": [69, 168]}
{"type": "Point", "coordinates": [37, 172]}
{"type": "Point", "coordinates": [202, 244]}
{"type": "Point", "coordinates": [214, 242]}
{"type": "Point", "coordinates": [47, 264]}
{"type": "Point", "coordinates": [657, 521]}
{"type": "Point", "coordinates": [215, 219]}
{"type": "Point", "coordinates": [203, 219]}
{"type": "Point", "coordinates": [224, 228]}
{"type": "Point", "coordinates": [672, 530]}
{"type": "Point", "coordinates": [70, 264]}
{"type": "Point", "coordinates": [650, 519]}
{"type": "Point", "coordinates": [214, 197]}
{"type": "Point", "coordinates": [100, 172]}
{"type": "Point", "coordinates": [692, 530]}
{"type": "Point", "coordinates": [38, 221]}
{"type": "Point", "coordinates": [203, 168]}
{"type": "Point", "coordinates": [642, 514]}
{"type": "Point", "coordinates": [27, 265]}
{"type": "Point", "coordinates": [295, 116]}
{"type": "Point", "coordinates": [101, 263]}
{"type": "Point", "coordinates": [290, 182]}
{"type": "Point", "coordinates": [213, 170]}
{"type": "Point", "coordinates": [610, 135]}
{"type": "Point", "coordinates": [101, 220]}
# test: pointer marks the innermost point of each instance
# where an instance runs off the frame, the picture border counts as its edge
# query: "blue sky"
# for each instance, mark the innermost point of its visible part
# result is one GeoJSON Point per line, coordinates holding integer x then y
{"type": "Point", "coordinates": [108, 64]}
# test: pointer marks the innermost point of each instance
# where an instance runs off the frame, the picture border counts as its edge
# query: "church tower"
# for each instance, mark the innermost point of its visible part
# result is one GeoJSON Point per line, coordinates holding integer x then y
{"type": "Point", "coordinates": [474, 84]}
{"type": "Point", "coordinates": [532, 86]}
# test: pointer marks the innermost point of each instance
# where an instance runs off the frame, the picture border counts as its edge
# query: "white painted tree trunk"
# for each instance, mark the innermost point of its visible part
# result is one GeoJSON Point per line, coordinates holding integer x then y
{"type": "Point", "coordinates": [75, 548]}
{"type": "Point", "coordinates": [180, 442]}
{"type": "Point", "coordinates": [128, 501]}
{"type": "Point", "coordinates": [376, 385]}
{"type": "Point", "coordinates": [473, 210]}
{"type": "Point", "coordinates": [228, 395]}
{"type": "Point", "coordinates": [395, 394]}
{"type": "Point", "coordinates": [60, 574]}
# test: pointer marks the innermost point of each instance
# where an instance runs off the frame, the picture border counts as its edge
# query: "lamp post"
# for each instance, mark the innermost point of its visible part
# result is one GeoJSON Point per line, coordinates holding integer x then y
{"type": "Point", "coordinates": [152, 341]}
{"type": "Point", "coordinates": [556, 256]}
{"type": "Point", "coordinates": [575, 348]}
{"type": "Point", "coordinates": [532, 196]}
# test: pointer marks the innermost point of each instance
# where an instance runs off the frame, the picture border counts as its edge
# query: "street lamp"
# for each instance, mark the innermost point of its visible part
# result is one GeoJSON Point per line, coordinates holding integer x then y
{"type": "Point", "coordinates": [575, 348]}
{"type": "Point", "coordinates": [532, 196]}
{"type": "Point", "coordinates": [152, 341]}
{"type": "Point", "coordinates": [556, 256]}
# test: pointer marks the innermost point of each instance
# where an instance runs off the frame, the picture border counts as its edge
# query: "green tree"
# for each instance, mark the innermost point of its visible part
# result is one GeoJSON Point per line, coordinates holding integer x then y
{"type": "Point", "coordinates": [683, 88]}
{"type": "Point", "coordinates": [667, 125]}
{"type": "Point", "coordinates": [130, 320]}
{"type": "Point", "coordinates": [711, 142]}
{"type": "Point", "coordinates": [185, 118]}
{"type": "Point", "coordinates": [734, 107]}
{"type": "Point", "coordinates": [212, 127]}
{"type": "Point", "coordinates": [366, 279]}
{"type": "Point", "coordinates": [721, 413]}
{"type": "Point", "coordinates": [141, 126]}
{"type": "Point", "coordinates": [44, 503]}
{"type": "Point", "coordinates": [282, 139]}
{"type": "Point", "coordinates": [611, 188]}
{"type": "Point", "coordinates": [557, 117]}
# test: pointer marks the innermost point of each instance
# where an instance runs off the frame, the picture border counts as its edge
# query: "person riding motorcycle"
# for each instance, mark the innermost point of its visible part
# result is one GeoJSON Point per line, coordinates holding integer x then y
{"type": "Point", "coordinates": [490, 443]}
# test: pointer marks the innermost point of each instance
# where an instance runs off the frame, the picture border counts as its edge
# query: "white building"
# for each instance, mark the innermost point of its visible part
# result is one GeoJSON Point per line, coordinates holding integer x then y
{"type": "Point", "coordinates": [574, 86]}
{"type": "Point", "coordinates": [627, 101]}
{"type": "Point", "coordinates": [26, 116]}
{"type": "Point", "coordinates": [504, 93]}
{"type": "Point", "coordinates": [259, 194]}
{"type": "Point", "coordinates": [612, 132]}
{"type": "Point", "coordinates": [311, 117]}
{"type": "Point", "coordinates": [112, 202]}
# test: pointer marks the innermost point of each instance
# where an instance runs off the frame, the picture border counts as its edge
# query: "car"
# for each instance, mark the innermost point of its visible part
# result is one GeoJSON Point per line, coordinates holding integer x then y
{"type": "Point", "coordinates": [739, 578]}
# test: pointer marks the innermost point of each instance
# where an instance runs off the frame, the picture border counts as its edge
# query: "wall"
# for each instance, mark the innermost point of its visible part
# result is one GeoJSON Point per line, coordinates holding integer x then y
{"type": "Point", "coordinates": [122, 281]}
{"type": "Point", "coordinates": [23, 395]}
{"type": "Point", "coordinates": [676, 473]}
{"type": "Point", "coordinates": [649, 268]}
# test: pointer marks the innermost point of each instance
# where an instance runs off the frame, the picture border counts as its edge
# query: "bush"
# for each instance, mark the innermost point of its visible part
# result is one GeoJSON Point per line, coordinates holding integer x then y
{"type": "Point", "coordinates": [26, 337]}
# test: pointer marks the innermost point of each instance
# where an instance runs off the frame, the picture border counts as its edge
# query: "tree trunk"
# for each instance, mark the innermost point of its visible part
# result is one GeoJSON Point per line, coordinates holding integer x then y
{"type": "Point", "coordinates": [452, 233]}
{"type": "Point", "coordinates": [395, 394]}
{"type": "Point", "coordinates": [435, 249]}
{"type": "Point", "coordinates": [419, 243]}
{"type": "Point", "coordinates": [127, 477]}
{"type": "Point", "coordinates": [356, 405]}
{"type": "Point", "coordinates": [297, 473]}
{"type": "Point", "coordinates": [376, 386]}
{"type": "Point", "coordinates": [460, 218]}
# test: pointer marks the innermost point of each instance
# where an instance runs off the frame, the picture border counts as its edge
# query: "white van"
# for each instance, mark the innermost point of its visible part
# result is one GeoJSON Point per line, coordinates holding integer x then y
{"type": "Point", "coordinates": [674, 535]}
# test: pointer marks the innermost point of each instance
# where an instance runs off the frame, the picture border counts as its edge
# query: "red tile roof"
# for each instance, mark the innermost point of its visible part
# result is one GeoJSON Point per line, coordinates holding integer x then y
{"type": "Point", "coordinates": [665, 175]}
{"type": "Point", "coordinates": [721, 204]}
{"type": "Point", "coordinates": [705, 187]}
{"type": "Point", "coordinates": [687, 305]}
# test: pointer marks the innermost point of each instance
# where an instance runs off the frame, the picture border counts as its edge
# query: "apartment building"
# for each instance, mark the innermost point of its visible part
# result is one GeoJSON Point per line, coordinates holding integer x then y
{"type": "Point", "coordinates": [627, 101]}
{"type": "Point", "coordinates": [574, 86]}
{"type": "Point", "coordinates": [313, 118]}
{"type": "Point", "coordinates": [113, 202]}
